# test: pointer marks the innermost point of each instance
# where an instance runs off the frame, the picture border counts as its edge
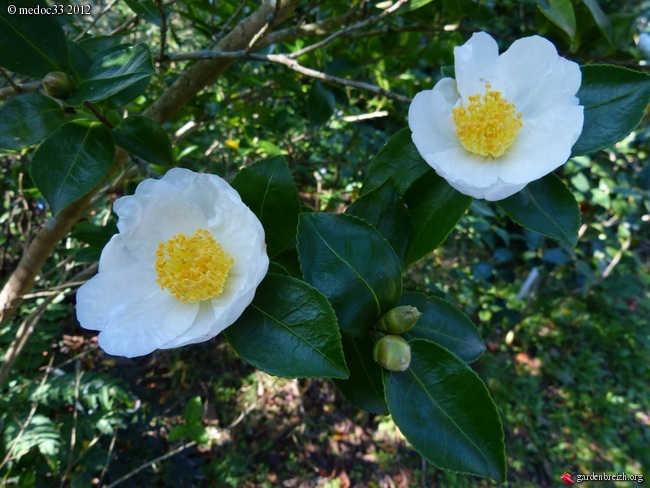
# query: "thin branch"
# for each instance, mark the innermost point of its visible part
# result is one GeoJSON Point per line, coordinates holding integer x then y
{"type": "Point", "coordinates": [99, 115]}
{"type": "Point", "coordinates": [27, 327]}
{"type": "Point", "coordinates": [163, 29]}
{"type": "Point", "coordinates": [346, 30]}
{"type": "Point", "coordinates": [152, 462]}
{"type": "Point", "coordinates": [30, 416]}
{"type": "Point", "coordinates": [226, 26]}
{"type": "Point", "coordinates": [294, 65]}
{"type": "Point", "coordinates": [10, 91]}
{"type": "Point", "coordinates": [95, 20]}
{"type": "Point", "coordinates": [11, 82]}
{"type": "Point", "coordinates": [270, 22]}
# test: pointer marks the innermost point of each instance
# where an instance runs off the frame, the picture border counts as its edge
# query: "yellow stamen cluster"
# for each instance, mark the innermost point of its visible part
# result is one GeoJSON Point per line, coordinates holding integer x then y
{"type": "Point", "coordinates": [488, 125]}
{"type": "Point", "coordinates": [192, 268]}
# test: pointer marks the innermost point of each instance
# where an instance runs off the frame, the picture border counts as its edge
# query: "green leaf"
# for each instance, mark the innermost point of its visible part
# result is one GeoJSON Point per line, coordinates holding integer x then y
{"type": "Point", "coordinates": [198, 434]}
{"type": "Point", "coordinates": [289, 330]}
{"type": "Point", "coordinates": [615, 100]}
{"type": "Point", "coordinates": [435, 209]}
{"type": "Point", "coordinates": [113, 73]}
{"type": "Point", "coordinates": [145, 139]}
{"type": "Point", "coordinates": [40, 432]}
{"type": "Point", "coordinates": [147, 9]}
{"type": "Point", "coordinates": [353, 265]}
{"type": "Point", "coordinates": [32, 44]}
{"type": "Point", "coordinates": [72, 161]}
{"type": "Point", "coordinates": [561, 13]}
{"type": "Point", "coordinates": [400, 160]}
{"type": "Point", "coordinates": [320, 104]}
{"type": "Point", "coordinates": [193, 411]}
{"type": "Point", "coordinates": [384, 209]}
{"type": "Point", "coordinates": [94, 235]}
{"type": "Point", "coordinates": [445, 411]}
{"type": "Point", "coordinates": [414, 5]}
{"type": "Point", "coordinates": [601, 19]}
{"type": "Point", "coordinates": [365, 388]}
{"type": "Point", "coordinates": [177, 432]}
{"type": "Point", "coordinates": [546, 206]}
{"type": "Point", "coordinates": [268, 188]}
{"type": "Point", "coordinates": [444, 324]}
{"type": "Point", "coordinates": [27, 120]}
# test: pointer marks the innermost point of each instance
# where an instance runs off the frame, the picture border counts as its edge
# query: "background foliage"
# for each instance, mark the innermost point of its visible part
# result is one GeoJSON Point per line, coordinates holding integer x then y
{"type": "Point", "coordinates": [566, 358]}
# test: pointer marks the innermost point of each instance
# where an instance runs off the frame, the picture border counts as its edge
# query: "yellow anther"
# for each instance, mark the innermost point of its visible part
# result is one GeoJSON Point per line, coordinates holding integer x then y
{"type": "Point", "coordinates": [192, 268]}
{"type": "Point", "coordinates": [488, 125]}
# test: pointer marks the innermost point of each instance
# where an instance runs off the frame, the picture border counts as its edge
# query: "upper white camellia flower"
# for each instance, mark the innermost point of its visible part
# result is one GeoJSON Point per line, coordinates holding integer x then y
{"type": "Point", "coordinates": [506, 120]}
{"type": "Point", "coordinates": [184, 266]}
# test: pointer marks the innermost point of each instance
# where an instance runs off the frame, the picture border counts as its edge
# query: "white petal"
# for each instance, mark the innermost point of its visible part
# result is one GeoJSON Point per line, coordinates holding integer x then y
{"type": "Point", "coordinates": [502, 190]}
{"type": "Point", "coordinates": [474, 64]}
{"type": "Point", "coordinates": [459, 166]}
{"type": "Point", "coordinates": [116, 255]}
{"type": "Point", "coordinates": [156, 213]}
{"type": "Point", "coordinates": [534, 77]}
{"type": "Point", "coordinates": [543, 144]}
{"type": "Point", "coordinates": [134, 315]}
{"type": "Point", "coordinates": [429, 117]}
{"type": "Point", "coordinates": [201, 330]}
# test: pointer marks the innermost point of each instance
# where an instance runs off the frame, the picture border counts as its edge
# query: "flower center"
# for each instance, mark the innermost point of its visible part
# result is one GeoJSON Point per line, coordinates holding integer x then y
{"type": "Point", "coordinates": [488, 125]}
{"type": "Point", "coordinates": [192, 268]}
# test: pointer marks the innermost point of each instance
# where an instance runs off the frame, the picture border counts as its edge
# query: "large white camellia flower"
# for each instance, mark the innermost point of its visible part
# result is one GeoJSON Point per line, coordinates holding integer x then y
{"type": "Point", "coordinates": [185, 264]}
{"type": "Point", "coordinates": [506, 120]}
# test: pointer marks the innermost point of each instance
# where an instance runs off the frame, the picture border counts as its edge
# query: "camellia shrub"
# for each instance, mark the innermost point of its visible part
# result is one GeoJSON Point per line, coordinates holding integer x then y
{"type": "Point", "coordinates": [299, 292]}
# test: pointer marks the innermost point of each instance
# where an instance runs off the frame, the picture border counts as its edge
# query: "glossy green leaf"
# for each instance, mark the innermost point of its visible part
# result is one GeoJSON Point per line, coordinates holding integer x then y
{"type": "Point", "coordinates": [365, 388]}
{"type": "Point", "coordinates": [546, 206]}
{"type": "Point", "coordinates": [31, 44]}
{"type": "Point", "coordinates": [384, 209]}
{"type": "Point", "coordinates": [289, 330]}
{"type": "Point", "coordinates": [113, 73]}
{"type": "Point", "coordinates": [398, 160]}
{"type": "Point", "coordinates": [445, 411]}
{"type": "Point", "coordinates": [193, 411]}
{"type": "Point", "coordinates": [288, 261]}
{"type": "Point", "coordinates": [177, 432]}
{"type": "Point", "coordinates": [444, 324]}
{"type": "Point", "coordinates": [414, 5]}
{"type": "Point", "coordinates": [435, 209]}
{"type": "Point", "coordinates": [561, 13]}
{"type": "Point", "coordinates": [353, 265]}
{"type": "Point", "coordinates": [268, 188]}
{"type": "Point", "coordinates": [601, 19]}
{"type": "Point", "coordinates": [72, 161]}
{"type": "Point", "coordinates": [27, 120]}
{"type": "Point", "coordinates": [198, 434]}
{"type": "Point", "coordinates": [615, 100]}
{"type": "Point", "coordinates": [94, 235]}
{"type": "Point", "coordinates": [145, 139]}
{"type": "Point", "coordinates": [146, 9]}
{"type": "Point", "coordinates": [320, 104]}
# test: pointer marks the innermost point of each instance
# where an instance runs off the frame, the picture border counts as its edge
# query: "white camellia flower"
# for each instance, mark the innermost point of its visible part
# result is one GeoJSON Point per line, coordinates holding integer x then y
{"type": "Point", "coordinates": [185, 264]}
{"type": "Point", "coordinates": [506, 120]}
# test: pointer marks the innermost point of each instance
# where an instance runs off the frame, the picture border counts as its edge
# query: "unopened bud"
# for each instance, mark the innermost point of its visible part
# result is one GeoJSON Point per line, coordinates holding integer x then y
{"type": "Point", "coordinates": [399, 319]}
{"type": "Point", "coordinates": [392, 353]}
{"type": "Point", "coordinates": [58, 85]}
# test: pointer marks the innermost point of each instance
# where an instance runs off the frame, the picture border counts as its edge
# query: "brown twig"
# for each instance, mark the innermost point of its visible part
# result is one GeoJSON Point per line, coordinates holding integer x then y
{"type": "Point", "coordinates": [99, 115]}
{"type": "Point", "coordinates": [95, 20]}
{"type": "Point", "coordinates": [163, 29]}
{"type": "Point", "coordinates": [30, 87]}
{"type": "Point", "coordinates": [346, 30]}
{"type": "Point", "coordinates": [294, 65]}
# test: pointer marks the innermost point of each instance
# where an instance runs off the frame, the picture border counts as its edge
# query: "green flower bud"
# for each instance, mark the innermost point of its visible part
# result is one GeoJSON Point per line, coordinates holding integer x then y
{"type": "Point", "coordinates": [58, 85]}
{"type": "Point", "coordinates": [392, 353]}
{"type": "Point", "coordinates": [399, 319]}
